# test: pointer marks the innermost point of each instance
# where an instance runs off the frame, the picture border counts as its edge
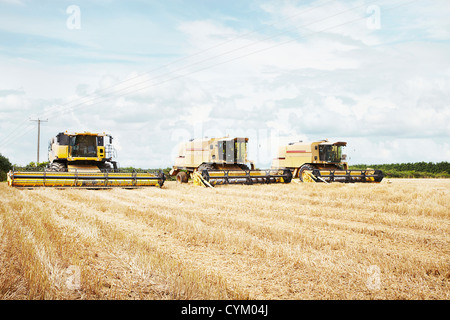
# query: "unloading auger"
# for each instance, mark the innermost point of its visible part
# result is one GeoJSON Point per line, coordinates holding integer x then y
{"type": "Point", "coordinates": [218, 161]}
{"type": "Point", "coordinates": [83, 160]}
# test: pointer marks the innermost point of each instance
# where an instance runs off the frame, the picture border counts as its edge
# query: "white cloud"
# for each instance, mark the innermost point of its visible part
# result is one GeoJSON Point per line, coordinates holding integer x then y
{"type": "Point", "coordinates": [370, 151]}
{"type": "Point", "coordinates": [345, 19]}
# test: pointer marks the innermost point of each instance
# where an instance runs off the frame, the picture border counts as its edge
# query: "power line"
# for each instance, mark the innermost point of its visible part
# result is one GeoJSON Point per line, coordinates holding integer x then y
{"type": "Point", "coordinates": [13, 138]}
{"type": "Point", "coordinates": [221, 63]}
{"type": "Point", "coordinates": [13, 135]}
{"type": "Point", "coordinates": [92, 100]}
{"type": "Point", "coordinates": [87, 99]}
{"type": "Point", "coordinates": [13, 132]}
{"type": "Point", "coordinates": [195, 54]}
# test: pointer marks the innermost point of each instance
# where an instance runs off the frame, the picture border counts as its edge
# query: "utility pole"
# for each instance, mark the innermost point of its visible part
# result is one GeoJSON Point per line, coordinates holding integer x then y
{"type": "Point", "coordinates": [39, 136]}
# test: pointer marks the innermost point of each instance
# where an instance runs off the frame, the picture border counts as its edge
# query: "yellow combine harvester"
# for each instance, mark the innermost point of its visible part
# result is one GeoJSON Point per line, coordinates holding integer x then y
{"type": "Point", "coordinates": [321, 161]}
{"type": "Point", "coordinates": [82, 160]}
{"type": "Point", "coordinates": [217, 161]}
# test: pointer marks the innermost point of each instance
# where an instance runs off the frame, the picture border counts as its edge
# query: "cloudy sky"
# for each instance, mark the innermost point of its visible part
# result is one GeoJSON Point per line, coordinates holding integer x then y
{"type": "Point", "coordinates": [374, 73]}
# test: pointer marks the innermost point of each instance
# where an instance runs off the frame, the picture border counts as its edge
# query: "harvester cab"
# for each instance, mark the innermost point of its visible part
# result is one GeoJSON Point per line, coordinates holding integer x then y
{"type": "Point", "coordinates": [83, 160]}
{"type": "Point", "coordinates": [321, 161]}
{"type": "Point", "coordinates": [77, 151]}
{"type": "Point", "coordinates": [230, 151]}
{"type": "Point", "coordinates": [331, 153]}
{"type": "Point", "coordinates": [213, 161]}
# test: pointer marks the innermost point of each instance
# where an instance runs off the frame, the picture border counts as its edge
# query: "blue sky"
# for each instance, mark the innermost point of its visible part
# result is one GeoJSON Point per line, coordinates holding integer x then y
{"type": "Point", "coordinates": [374, 73]}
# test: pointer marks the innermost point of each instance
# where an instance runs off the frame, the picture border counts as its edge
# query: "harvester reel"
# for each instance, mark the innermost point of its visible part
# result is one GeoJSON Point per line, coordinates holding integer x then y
{"type": "Point", "coordinates": [247, 177]}
{"type": "Point", "coordinates": [84, 179]}
{"type": "Point", "coordinates": [309, 174]}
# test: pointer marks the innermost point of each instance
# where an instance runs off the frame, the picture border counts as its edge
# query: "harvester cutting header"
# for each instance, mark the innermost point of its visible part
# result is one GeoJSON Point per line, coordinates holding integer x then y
{"type": "Point", "coordinates": [85, 160]}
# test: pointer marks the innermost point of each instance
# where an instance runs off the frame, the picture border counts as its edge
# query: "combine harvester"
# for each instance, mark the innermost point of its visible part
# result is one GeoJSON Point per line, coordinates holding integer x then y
{"type": "Point", "coordinates": [321, 161]}
{"type": "Point", "coordinates": [83, 160]}
{"type": "Point", "coordinates": [217, 161]}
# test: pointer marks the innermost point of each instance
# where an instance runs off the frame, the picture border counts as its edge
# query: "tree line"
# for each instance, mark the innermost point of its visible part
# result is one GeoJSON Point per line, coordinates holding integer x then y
{"type": "Point", "coordinates": [410, 170]}
{"type": "Point", "coordinates": [5, 166]}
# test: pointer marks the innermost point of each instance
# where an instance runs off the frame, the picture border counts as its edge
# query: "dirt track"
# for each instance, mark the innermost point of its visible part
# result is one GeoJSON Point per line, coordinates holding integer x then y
{"type": "Point", "coordinates": [295, 241]}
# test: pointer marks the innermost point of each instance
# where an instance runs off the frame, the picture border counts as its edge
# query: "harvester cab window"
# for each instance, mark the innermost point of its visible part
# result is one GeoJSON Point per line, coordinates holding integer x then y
{"type": "Point", "coordinates": [229, 151]}
{"type": "Point", "coordinates": [221, 150]}
{"type": "Point", "coordinates": [62, 139]}
{"type": "Point", "coordinates": [330, 153]}
{"type": "Point", "coordinates": [240, 147]}
{"type": "Point", "coordinates": [83, 146]}
{"type": "Point", "coordinates": [232, 151]}
{"type": "Point", "coordinates": [226, 151]}
{"type": "Point", "coordinates": [100, 141]}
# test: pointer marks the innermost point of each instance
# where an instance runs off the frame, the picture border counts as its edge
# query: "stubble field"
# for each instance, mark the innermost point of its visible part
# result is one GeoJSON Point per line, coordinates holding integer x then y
{"type": "Point", "coordinates": [295, 241]}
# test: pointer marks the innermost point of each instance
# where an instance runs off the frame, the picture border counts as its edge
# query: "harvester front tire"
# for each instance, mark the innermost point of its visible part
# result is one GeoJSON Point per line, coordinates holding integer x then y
{"type": "Point", "coordinates": [182, 177]}
{"type": "Point", "coordinates": [244, 167]}
{"type": "Point", "coordinates": [57, 167]}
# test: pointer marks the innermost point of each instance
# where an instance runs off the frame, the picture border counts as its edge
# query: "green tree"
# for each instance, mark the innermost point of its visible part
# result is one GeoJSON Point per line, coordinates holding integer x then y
{"type": "Point", "coordinates": [40, 166]}
{"type": "Point", "coordinates": [411, 170]}
{"type": "Point", "coordinates": [5, 166]}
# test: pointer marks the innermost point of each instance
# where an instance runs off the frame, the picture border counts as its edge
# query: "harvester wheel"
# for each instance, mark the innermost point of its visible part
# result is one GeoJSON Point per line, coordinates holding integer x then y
{"type": "Point", "coordinates": [182, 177]}
{"type": "Point", "coordinates": [302, 175]}
{"type": "Point", "coordinates": [205, 166]}
{"type": "Point", "coordinates": [105, 167]}
{"type": "Point", "coordinates": [244, 167]}
{"type": "Point", "coordinates": [57, 166]}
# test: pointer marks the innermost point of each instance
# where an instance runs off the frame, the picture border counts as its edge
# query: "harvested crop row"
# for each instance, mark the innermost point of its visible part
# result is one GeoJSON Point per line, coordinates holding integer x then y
{"type": "Point", "coordinates": [296, 241]}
